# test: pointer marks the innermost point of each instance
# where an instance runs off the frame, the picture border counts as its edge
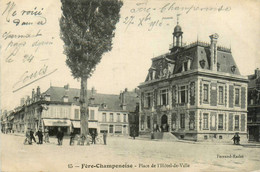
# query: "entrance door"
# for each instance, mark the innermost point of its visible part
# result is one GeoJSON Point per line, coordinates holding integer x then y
{"type": "Point", "coordinates": [164, 123]}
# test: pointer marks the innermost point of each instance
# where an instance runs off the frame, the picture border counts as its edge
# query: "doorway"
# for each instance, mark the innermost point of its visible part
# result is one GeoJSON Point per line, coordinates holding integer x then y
{"type": "Point", "coordinates": [164, 124]}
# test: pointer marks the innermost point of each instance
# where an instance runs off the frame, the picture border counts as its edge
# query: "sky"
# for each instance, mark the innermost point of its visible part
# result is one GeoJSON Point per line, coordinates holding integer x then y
{"type": "Point", "coordinates": [143, 32]}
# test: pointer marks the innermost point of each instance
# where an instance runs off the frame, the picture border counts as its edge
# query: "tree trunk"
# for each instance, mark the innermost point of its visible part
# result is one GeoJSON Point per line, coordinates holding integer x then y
{"type": "Point", "coordinates": [84, 110]}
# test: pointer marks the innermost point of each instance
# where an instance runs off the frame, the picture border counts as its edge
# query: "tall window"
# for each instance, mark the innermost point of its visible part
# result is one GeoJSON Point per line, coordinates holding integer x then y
{"type": "Point", "coordinates": [124, 117]}
{"type": "Point", "coordinates": [205, 121]}
{"type": "Point", "coordinates": [220, 121]}
{"type": "Point", "coordinates": [104, 117]}
{"type": "Point", "coordinates": [220, 95]}
{"type": "Point", "coordinates": [185, 66]}
{"type": "Point", "coordinates": [205, 93]}
{"type": "Point", "coordinates": [183, 94]}
{"type": "Point", "coordinates": [182, 120]}
{"type": "Point", "coordinates": [148, 122]}
{"type": "Point", "coordinates": [236, 122]}
{"type": "Point", "coordinates": [76, 113]}
{"type": "Point", "coordinates": [164, 97]}
{"type": "Point", "coordinates": [111, 117]}
{"type": "Point", "coordinates": [148, 100]}
{"type": "Point", "coordinates": [237, 96]}
{"type": "Point", "coordinates": [118, 117]}
{"type": "Point", "coordinates": [92, 114]}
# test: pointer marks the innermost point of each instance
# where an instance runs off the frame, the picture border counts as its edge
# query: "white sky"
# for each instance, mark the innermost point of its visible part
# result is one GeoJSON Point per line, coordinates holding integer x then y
{"type": "Point", "coordinates": [133, 47]}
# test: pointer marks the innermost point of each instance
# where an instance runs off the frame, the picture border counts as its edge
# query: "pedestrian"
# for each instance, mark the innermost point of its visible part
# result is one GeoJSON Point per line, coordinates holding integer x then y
{"type": "Point", "coordinates": [60, 135]}
{"type": "Point", "coordinates": [32, 135]}
{"type": "Point", "coordinates": [28, 138]}
{"type": "Point", "coordinates": [46, 136]}
{"type": "Point", "coordinates": [72, 136]}
{"type": "Point", "coordinates": [105, 137]}
{"type": "Point", "coordinates": [93, 135]}
{"type": "Point", "coordinates": [40, 136]}
{"type": "Point", "coordinates": [236, 139]}
{"type": "Point", "coordinates": [134, 134]}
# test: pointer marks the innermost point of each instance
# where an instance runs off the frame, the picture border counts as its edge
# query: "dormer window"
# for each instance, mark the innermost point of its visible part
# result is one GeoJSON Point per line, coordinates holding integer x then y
{"type": "Point", "coordinates": [47, 97]}
{"type": "Point", "coordinates": [233, 68]}
{"type": "Point", "coordinates": [65, 98]}
{"type": "Point", "coordinates": [185, 66]}
{"type": "Point", "coordinates": [202, 63]}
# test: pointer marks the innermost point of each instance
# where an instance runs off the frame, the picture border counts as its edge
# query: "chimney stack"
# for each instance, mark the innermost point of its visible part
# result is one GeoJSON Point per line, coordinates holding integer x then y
{"type": "Point", "coordinates": [213, 51]}
{"type": "Point", "coordinates": [38, 91]}
{"type": "Point", "coordinates": [33, 94]}
{"type": "Point", "coordinates": [22, 101]}
{"type": "Point", "coordinates": [93, 92]}
{"type": "Point", "coordinates": [66, 87]}
{"type": "Point", "coordinates": [257, 73]}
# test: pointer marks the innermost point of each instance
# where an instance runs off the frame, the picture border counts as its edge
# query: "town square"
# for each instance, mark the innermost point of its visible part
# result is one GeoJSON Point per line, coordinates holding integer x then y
{"type": "Point", "coordinates": [124, 85]}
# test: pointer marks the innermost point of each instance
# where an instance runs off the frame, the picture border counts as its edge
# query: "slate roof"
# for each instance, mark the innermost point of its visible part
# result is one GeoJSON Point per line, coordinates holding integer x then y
{"type": "Point", "coordinates": [197, 52]}
{"type": "Point", "coordinates": [112, 101]}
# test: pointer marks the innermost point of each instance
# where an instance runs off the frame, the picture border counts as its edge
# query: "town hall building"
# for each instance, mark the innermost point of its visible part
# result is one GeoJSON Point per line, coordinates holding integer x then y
{"type": "Point", "coordinates": [195, 92]}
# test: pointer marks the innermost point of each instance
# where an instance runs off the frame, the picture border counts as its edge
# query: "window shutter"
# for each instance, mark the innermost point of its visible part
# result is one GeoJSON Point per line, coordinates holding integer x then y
{"type": "Point", "coordinates": [213, 94]}
{"type": "Point", "coordinates": [243, 97]}
{"type": "Point", "coordinates": [230, 122]}
{"type": "Point", "coordinates": [243, 121]}
{"type": "Point", "coordinates": [231, 96]}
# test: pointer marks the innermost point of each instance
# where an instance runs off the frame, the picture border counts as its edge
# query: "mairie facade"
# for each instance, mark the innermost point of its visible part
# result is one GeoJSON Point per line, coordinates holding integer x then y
{"type": "Point", "coordinates": [195, 92]}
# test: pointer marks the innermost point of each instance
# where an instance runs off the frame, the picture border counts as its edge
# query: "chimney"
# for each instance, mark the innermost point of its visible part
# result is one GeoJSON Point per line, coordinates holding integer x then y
{"type": "Point", "coordinates": [33, 95]}
{"type": "Point", "coordinates": [66, 87]}
{"type": "Point", "coordinates": [22, 101]}
{"type": "Point", "coordinates": [257, 73]}
{"type": "Point", "coordinates": [123, 101]}
{"type": "Point", "coordinates": [93, 92]}
{"type": "Point", "coordinates": [38, 91]}
{"type": "Point", "coordinates": [213, 51]}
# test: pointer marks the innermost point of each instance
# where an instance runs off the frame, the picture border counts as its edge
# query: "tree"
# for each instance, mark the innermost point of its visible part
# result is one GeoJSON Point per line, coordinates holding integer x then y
{"type": "Point", "coordinates": [87, 28]}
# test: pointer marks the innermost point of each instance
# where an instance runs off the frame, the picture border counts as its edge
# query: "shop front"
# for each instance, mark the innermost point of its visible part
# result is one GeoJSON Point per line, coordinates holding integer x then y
{"type": "Point", "coordinates": [53, 124]}
{"type": "Point", "coordinates": [92, 126]}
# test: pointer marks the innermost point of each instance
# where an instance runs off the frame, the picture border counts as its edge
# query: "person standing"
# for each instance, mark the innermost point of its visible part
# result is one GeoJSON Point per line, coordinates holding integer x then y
{"type": "Point", "coordinates": [72, 136]}
{"type": "Point", "coordinates": [93, 137]}
{"type": "Point", "coordinates": [32, 136]}
{"type": "Point", "coordinates": [28, 138]}
{"type": "Point", "coordinates": [60, 135]}
{"type": "Point", "coordinates": [40, 136]}
{"type": "Point", "coordinates": [46, 136]}
{"type": "Point", "coordinates": [105, 137]}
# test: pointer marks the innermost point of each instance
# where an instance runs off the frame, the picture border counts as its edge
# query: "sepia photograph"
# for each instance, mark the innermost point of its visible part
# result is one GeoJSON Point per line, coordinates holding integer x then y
{"type": "Point", "coordinates": [129, 85]}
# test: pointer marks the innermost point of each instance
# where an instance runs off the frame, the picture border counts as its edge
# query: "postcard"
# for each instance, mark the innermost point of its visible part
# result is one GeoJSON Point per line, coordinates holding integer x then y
{"type": "Point", "coordinates": [149, 85]}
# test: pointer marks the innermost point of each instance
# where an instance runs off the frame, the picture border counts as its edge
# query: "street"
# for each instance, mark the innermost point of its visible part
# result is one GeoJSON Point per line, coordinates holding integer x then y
{"type": "Point", "coordinates": [128, 153]}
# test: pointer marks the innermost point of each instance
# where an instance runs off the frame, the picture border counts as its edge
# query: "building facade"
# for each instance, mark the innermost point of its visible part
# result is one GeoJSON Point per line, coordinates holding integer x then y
{"type": "Point", "coordinates": [58, 107]}
{"type": "Point", "coordinates": [195, 92]}
{"type": "Point", "coordinates": [253, 121]}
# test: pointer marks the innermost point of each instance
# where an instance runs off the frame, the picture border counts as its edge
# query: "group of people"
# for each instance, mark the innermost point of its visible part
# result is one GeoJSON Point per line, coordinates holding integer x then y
{"type": "Point", "coordinates": [30, 136]}
{"type": "Point", "coordinates": [93, 137]}
{"type": "Point", "coordinates": [236, 139]}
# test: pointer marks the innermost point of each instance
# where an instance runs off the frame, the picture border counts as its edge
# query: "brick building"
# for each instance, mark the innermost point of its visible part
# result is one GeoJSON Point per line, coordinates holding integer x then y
{"type": "Point", "coordinates": [195, 91]}
{"type": "Point", "coordinates": [253, 120]}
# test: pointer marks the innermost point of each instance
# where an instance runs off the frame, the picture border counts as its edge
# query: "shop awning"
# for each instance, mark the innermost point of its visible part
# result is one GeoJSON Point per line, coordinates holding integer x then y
{"type": "Point", "coordinates": [57, 122]}
{"type": "Point", "coordinates": [76, 124]}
